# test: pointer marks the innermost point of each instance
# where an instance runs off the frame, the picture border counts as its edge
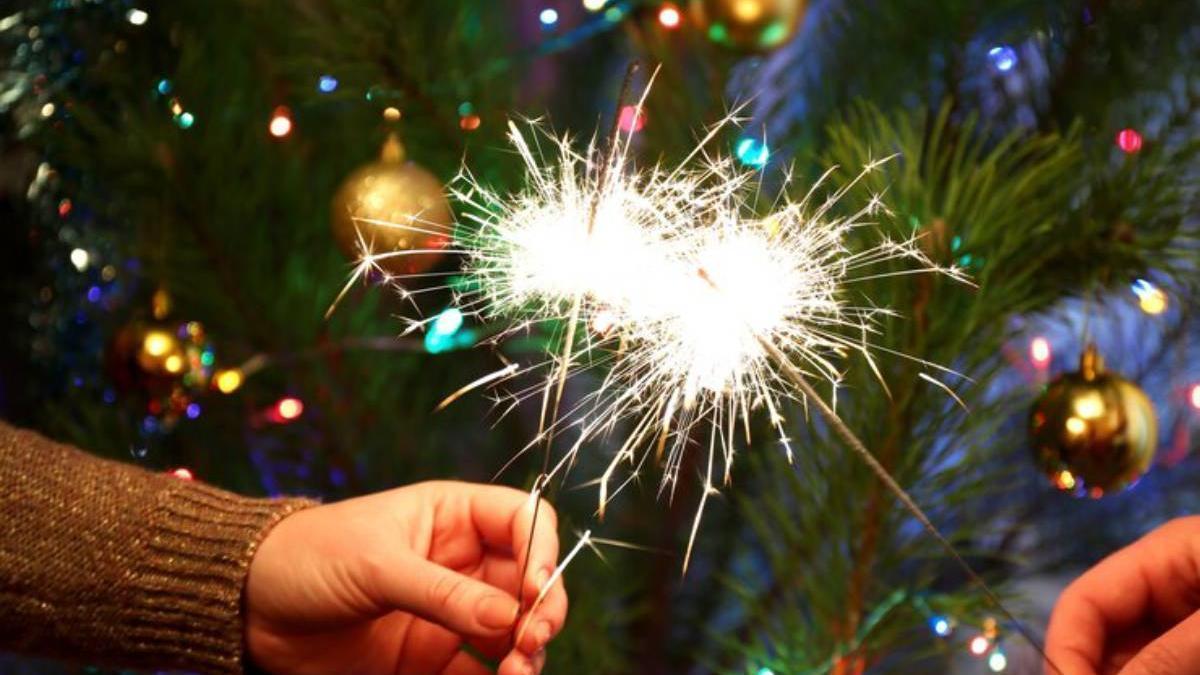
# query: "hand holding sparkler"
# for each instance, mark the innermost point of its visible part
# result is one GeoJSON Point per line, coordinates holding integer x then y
{"type": "Point", "coordinates": [401, 581]}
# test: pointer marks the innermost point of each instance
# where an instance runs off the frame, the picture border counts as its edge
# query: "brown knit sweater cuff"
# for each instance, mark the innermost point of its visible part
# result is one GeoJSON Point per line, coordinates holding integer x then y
{"type": "Point", "coordinates": [108, 564]}
{"type": "Point", "coordinates": [187, 588]}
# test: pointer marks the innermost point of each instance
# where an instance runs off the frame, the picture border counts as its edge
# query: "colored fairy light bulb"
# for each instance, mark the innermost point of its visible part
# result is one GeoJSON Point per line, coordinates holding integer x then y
{"type": "Point", "coordinates": [979, 645]}
{"type": "Point", "coordinates": [1003, 58]}
{"type": "Point", "coordinates": [157, 343]}
{"type": "Point", "coordinates": [1039, 351]}
{"type": "Point", "coordinates": [327, 84]}
{"type": "Point", "coordinates": [469, 122]}
{"type": "Point", "coordinates": [1129, 141]}
{"type": "Point", "coordinates": [1194, 396]}
{"type": "Point", "coordinates": [137, 16]}
{"type": "Point", "coordinates": [669, 16]}
{"type": "Point", "coordinates": [228, 381]}
{"type": "Point", "coordinates": [631, 119]}
{"type": "Point", "coordinates": [182, 473]}
{"type": "Point", "coordinates": [289, 408]}
{"type": "Point", "coordinates": [548, 17]}
{"type": "Point", "coordinates": [281, 122]}
{"type": "Point", "coordinates": [752, 152]}
{"type": "Point", "coordinates": [594, 5]}
{"type": "Point", "coordinates": [940, 625]}
{"type": "Point", "coordinates": [448, 322]}
{"type": "Point", "coordinates": [1151, 298]}
{"type": "Point", "coordinates": [446, 332]}
{"type": "Point", "coordinates": [997, 662]}
{"type": "Point", "coordinates": [79, 258]}
{"type": "Point", "coordinates": [185, 120]}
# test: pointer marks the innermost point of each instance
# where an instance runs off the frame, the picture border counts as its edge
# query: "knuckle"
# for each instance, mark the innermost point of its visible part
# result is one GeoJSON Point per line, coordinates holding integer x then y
{"type": "Point", "coordinates": [444, 591]}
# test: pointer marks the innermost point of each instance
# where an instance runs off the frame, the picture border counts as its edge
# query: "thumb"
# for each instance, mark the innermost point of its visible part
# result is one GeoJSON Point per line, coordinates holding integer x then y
{"type": "Point", "coordinates": [461, 603]}
{"type": "Point", "coordinates": [1176, 652]}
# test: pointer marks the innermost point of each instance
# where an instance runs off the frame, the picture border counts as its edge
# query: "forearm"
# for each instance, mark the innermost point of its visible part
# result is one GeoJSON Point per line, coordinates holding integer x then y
{"type": "Point", "coordinates": [106, 563]}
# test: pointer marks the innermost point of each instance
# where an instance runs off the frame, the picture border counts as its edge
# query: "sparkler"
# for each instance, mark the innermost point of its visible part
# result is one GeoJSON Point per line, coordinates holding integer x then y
{"type": "Point", "coordinates": [700, 311]}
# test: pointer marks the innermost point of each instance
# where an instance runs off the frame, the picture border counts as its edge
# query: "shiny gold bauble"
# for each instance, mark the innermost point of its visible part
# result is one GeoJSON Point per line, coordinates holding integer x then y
{"type": "Point", "coordinates": [749, 25]}
{"type": "Point", "coordinates": [391, 206]}
{"type": "Point", "coordinates": [1093, 432]}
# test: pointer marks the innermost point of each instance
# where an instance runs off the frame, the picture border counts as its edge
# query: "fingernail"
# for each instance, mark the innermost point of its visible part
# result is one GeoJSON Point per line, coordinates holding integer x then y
{"type": "Point", "coordinates": [497, 611]}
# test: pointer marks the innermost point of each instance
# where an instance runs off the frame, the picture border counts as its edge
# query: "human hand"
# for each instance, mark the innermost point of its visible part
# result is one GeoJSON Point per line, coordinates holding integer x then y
{"type": "Point", "coordinates": [1135, 613]}
{"type": "Point", "coordinates": [399, 581]}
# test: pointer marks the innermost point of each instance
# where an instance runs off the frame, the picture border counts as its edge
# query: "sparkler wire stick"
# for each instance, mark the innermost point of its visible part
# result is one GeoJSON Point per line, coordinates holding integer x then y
{"type": "Point", "coordinates": [613, 140]}
{"type": "Point", "coordinates": [795, 377]}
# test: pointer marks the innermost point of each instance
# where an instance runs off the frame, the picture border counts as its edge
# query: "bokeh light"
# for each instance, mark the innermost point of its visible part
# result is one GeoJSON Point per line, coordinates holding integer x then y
{"type": "Point", "coordinates": [1129, 141]}
{"type": "Point", "coordinates": [80, 258]}
{"type": "Point", "coordinates": [1151, 299]}
{"type": "Point", "coordinates": [228, 381]}
{"type": "Point", "coordinates": [289, 408]}
{"type": "Point", "coordinates": [281, 122]}
{"type": "Point", "coordinates": [632, 119]}
{"type": "Point", "coordinates": [669, 16]}
{"type": "Point", "coordinates": [752, 152]}
{"type": "Point", "coordinates": [1039, 351]}
{"type": "Point", "coordinates": [1003, 58]}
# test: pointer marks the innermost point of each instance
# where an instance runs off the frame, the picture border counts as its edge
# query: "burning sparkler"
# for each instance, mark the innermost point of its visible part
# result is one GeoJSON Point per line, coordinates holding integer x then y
{"type": "Point", "coordinates": [702, 310]}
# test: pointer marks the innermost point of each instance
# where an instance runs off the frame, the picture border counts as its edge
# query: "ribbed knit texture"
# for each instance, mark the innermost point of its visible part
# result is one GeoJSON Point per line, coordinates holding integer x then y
{"type": "Point", "coordinates": [108, 564]}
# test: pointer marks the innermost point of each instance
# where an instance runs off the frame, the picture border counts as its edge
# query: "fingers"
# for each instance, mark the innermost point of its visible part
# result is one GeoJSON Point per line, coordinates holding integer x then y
{"type": "Point", "coordinates": [1151, 581]}
{"type": "Point", "coordinates": [1176, 652]}
{"type": "Point", "coordinates": [543, 553]}
{"type": "Point", "coordinates": [540, 626]}
{"type": "Point", "coordinates": [504, 519]}
{"type": "Point", "coordinates": [536, 628]}
{"type": "Point", "coordinates": [517, 663]}
{"type": "Point", "coordinates": [465, 605]}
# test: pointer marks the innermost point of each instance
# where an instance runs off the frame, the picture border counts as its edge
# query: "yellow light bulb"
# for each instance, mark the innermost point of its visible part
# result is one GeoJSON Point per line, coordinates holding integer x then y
{"type": "Point", "coordinates": [156, 343]}
{"type": "Point", "coordinates": [1153, 302]}
{"type": "Point", "coordinates": [228, 381]}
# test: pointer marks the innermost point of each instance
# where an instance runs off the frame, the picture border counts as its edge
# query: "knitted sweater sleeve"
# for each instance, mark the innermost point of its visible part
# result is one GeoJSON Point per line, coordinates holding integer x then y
{"type": "Point", "coordinates": [105, 563]}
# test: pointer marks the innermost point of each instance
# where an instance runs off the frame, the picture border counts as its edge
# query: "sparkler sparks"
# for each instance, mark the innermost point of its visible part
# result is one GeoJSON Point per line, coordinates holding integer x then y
{"type": "Point", "coordinates": [689, 284]}
{"type": "Point", "coordinates": [705, 305]}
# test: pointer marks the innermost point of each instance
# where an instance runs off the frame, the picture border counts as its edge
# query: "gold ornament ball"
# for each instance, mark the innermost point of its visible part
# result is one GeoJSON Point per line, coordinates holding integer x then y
{"type": "Point", "coordinates": [1093, 432]}
{"type": "Point", "coordinates": [749, 25]}
{"type": "Point", "coordinates": [390, 206]}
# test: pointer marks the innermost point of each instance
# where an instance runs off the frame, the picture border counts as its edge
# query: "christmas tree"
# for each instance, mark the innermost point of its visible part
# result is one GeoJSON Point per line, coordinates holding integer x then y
{"type": "Point", "coordinates": [188, 185]}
